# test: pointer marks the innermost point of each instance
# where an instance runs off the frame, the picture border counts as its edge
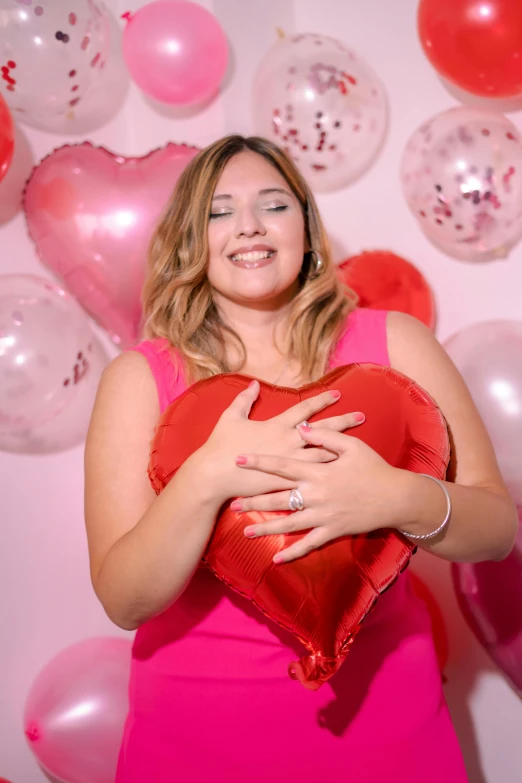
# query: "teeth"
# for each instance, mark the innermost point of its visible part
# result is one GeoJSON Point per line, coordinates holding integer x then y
{"type": "Point", "coordinates": [255, 255]}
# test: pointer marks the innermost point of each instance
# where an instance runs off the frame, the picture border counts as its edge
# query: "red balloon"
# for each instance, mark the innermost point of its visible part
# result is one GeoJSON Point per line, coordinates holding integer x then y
{"type": "Point", "coordinates": [321, 598]}
{"type": "Point", "coordinates": [385, 281]}
{"type": "Point", "coordinates": [476, 44]}
{"type": "Point", "coordinates": [6, 138]}
{"type": "Point", "coordinates": [438, 626]}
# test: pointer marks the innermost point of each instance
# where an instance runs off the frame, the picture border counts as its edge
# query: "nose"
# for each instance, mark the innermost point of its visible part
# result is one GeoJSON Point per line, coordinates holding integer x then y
{"type": "Point", "coordinates": [249, 223]}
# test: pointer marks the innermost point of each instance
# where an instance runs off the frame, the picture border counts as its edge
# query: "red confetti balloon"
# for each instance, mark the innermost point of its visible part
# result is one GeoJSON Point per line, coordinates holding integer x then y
{"type": "Point", "coordinates": [6, 138]}
{"type": "Point", "coordinates": [476, 44]}
{"type": "Point", "coordinates": [385, 281]}
{"type": "Point", "coordinates": [321, 598]}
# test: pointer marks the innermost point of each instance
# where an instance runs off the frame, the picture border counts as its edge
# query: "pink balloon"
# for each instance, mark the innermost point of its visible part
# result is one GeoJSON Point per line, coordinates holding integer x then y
{"type": "Point", "coordinates": [76, 709]}
{"type": "Point", "coordinates": [489, 357]}
{"type": "Point", "coordinates": [91, 214]}
{"type": "Point", "coordinates": [490, 597]}
{"type": "Point", "coordinates": [175, 51]}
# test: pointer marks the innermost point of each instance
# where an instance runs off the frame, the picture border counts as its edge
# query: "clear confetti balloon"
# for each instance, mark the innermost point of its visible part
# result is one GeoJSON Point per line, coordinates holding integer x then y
{"type": "Point", "coordinates": [323, 104]}
{"type": "Point", "coordinates": [52, 54]}
{"type": "Point", "coordinates": [461, 175]}
{"type": "Point", "coordinates": [50, 366]}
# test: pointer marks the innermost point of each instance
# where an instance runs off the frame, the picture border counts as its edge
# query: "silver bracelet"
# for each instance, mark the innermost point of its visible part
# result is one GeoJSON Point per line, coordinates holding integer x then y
{"type": "Point", "coordinates": [446, 518]}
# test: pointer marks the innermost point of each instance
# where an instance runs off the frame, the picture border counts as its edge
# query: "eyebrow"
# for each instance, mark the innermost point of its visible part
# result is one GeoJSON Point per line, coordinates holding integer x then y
{"type": "Point", "coordinates": [263, 192]}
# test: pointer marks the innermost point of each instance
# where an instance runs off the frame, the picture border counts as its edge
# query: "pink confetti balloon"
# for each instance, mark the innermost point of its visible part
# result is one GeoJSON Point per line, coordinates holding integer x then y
{"type": "Point", "coordinates": [176, 52]}
{"type": "Point", "coordinates": [490, 597]}
{"type": "Point", "coordinates": [489, 357]}
{"type": "Point", "coordinates": [91, 215]}
{"type": "Point", "coordinates": [323, 104]}
{"type": "Point", "coordinates": [50, 366]}
{"type": "Point", "coordinates": [461, 174]}
{"type": "Point", "coordinates": [52, 54]}
{"type": "Point", "coordinates": [76, 709]}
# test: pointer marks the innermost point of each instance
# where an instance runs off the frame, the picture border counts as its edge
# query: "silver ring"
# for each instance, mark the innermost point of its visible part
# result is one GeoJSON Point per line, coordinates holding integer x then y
{"type": "Point", "coordinates": [296, 502]}
{"type": "Point", "coordinates": [301, 423]}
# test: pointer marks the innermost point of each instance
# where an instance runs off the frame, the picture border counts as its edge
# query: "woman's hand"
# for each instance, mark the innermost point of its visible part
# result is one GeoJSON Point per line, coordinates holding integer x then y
{"type": "Point", "coordinates": [236, 433]}
{"type": "Point", "coordinates": [356, 493]}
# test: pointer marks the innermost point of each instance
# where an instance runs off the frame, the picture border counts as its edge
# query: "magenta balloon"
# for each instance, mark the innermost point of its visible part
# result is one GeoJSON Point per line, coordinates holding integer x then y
{"type": "Point", "coordinates": [489, 357]}
{"type": "Point", "coordinates": [490, 597]}
{"type": "Point", "coordinates": [76, 709]}
{"type": "Point", "coordinates": [91, 214]}
{"type": "Point", "coordinates": [176, 52]}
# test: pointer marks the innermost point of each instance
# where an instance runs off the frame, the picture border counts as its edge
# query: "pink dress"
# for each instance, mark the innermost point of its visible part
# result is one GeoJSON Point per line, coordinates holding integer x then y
{"type": "Point", "coordinates": [210, 697]}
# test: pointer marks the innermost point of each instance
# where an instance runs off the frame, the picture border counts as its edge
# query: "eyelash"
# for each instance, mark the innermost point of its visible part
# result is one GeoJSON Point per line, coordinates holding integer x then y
{"type": "Point", "coordinates": [224, 214]}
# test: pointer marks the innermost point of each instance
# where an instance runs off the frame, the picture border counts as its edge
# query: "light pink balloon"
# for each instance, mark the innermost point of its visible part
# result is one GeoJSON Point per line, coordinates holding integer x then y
{"type": "Point", "coordinates": [76, 709]}
{"type": "Point", "coordinates": [176, 51]}
{"type": "Point", "coordinates": [490, 598]}
{"type": "Point", "coordinates": [91, 214]}
{"type": "Point", "coordinates": [489, 357]}
{"type": "Point", "coordinates": [50, 366]}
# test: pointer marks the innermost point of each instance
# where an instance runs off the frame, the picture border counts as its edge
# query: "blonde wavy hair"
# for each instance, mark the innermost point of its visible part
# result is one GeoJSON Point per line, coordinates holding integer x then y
{"type": "Point", "coordinates": [177, 296]}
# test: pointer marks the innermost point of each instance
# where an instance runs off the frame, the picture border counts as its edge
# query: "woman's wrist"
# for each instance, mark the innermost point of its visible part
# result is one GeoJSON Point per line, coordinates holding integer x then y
{"type": "Point", "coordinates": [199, 470]}
{"type": "Point", "coordinates": [421, 504]}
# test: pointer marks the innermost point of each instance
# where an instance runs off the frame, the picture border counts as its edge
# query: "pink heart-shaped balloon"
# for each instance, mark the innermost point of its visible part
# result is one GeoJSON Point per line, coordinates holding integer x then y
{"type": "Point", "coordinates": [91, 214]}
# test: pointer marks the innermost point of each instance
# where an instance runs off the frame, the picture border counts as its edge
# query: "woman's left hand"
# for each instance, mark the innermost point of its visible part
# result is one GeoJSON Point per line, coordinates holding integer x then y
{"type": "Point", "coordinates": [356, 493]}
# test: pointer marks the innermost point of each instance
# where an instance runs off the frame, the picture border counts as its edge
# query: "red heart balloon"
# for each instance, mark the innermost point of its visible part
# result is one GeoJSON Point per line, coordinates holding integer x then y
{"type": "Point", "coordinates": [321, 598]}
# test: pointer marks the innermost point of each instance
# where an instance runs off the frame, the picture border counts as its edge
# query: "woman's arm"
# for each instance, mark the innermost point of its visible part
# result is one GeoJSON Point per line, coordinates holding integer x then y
{"type": "Point", "coordinates": [142, 552]}
{"type": "Point", "coordinates": [484, 521]}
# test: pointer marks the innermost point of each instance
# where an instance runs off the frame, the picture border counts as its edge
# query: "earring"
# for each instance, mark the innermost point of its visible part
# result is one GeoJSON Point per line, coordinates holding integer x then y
{"type": "Point", "coordinates": [316, 264]}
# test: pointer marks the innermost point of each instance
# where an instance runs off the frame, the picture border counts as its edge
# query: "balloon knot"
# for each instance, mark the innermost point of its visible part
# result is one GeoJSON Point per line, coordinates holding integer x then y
{"type": "Point", "coordinates": [32, 732]}
{"type": "Point", "coordinates": [127, 16]}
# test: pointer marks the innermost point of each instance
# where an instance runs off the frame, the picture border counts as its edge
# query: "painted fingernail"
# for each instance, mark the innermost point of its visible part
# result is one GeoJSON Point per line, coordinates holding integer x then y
{"type": "Point", "coordinates": [252, 384]}
{"type": "Point", "coordinates": [241, 460]}
{"type": "Point", "coordinates": [304, 426]}
{"type": "Point", "coordinates": [335, 394]}
{"type": "Point", "coordinates": [249, 532]}
{"type": "Point", "coordinates": [236, 506]}
{"type": "Point", "coordinates": [359, 416]}
{"type": "Point", "coordinates": [278, 559]}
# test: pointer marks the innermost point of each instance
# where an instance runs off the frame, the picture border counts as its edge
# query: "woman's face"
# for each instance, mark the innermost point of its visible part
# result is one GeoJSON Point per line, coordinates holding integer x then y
{"type": "Point", "coordinates": [256, 234]}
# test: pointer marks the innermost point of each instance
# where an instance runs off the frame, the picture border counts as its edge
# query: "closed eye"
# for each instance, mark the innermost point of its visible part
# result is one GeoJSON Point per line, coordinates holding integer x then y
{"type": "Point", "coordinates": [268, 209]}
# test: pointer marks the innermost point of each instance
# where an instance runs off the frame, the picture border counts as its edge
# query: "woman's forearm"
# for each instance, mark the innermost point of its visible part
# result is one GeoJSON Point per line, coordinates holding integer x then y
{"type": "Point", "coordinates": [147, 569]}
{"type": "Point", "coordinates": [483, 522]}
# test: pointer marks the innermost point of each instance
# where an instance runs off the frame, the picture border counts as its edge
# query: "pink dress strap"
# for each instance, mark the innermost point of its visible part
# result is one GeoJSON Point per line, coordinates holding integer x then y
{"type": "Point", "coordinates": [363, 339]}
{"type": "Point", "coordinates": [166, 366]}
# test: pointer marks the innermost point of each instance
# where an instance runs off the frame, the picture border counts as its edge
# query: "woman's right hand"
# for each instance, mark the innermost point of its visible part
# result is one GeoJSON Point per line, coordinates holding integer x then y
{"type": "Point", "coordinates": [235, 434]}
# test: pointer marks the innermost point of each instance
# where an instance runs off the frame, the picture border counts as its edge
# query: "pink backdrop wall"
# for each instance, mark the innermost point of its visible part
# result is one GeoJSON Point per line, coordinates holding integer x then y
{"type": "Point", "coordinates": [47, 601]}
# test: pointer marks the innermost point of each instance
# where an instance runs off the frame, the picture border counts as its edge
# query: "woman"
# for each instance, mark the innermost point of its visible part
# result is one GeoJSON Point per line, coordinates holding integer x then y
{"type": "Point", "coordinates": [240, 279]}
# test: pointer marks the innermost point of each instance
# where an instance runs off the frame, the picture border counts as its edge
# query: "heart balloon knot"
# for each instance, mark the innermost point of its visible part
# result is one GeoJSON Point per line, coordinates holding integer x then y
{"type": "Point", "coordinates": [314, 670]}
